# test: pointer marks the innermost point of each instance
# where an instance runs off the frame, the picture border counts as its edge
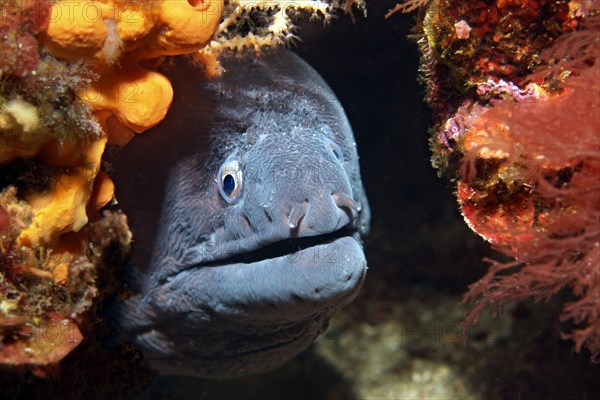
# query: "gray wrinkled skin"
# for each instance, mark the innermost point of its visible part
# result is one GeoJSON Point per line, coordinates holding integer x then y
{"type": "Point", "coordinates": [230, 288]}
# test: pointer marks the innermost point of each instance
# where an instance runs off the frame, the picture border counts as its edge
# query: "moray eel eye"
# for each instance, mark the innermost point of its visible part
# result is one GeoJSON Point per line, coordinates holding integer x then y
{"type": "Point", "coordinates": [230, 180]}
{"type": "Point", "coordinates": [336, 150]}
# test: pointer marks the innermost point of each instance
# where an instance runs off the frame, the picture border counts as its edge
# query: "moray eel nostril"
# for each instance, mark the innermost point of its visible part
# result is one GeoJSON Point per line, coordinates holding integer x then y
{"type": "Point", "coordinates": [247, 210]}
{"type": "Point", "coordinates": [343, 200]}
{"type": "Point", "coordinates": [297, 213]}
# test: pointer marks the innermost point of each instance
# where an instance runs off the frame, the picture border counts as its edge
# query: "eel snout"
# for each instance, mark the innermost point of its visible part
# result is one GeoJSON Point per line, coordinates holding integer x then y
{"type": "Point", "coordinates": [344, 204]}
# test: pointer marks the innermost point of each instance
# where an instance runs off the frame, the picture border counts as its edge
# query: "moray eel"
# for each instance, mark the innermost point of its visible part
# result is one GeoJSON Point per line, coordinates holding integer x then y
{"type": "Point", "coordinates": [247, 210]}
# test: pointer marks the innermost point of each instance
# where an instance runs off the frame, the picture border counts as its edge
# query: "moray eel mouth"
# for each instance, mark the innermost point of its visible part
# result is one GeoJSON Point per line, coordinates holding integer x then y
{"type": "Point", "coordinates": [322, 247]}
{"type": "Point", "coordinates": [283, 281]}
{"type": "Point", "coordinates": [270, 302]}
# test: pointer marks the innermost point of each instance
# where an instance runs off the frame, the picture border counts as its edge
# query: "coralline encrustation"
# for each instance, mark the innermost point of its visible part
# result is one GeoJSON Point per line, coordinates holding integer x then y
{"type": "Point", "coordinates": [517, 99]}
{"type": "Point", "coordinates": [71, 71]}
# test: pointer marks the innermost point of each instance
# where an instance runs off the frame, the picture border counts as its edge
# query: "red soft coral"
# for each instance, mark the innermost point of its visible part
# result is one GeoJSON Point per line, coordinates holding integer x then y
{"type": "Point", "coordinates": [555, 146]}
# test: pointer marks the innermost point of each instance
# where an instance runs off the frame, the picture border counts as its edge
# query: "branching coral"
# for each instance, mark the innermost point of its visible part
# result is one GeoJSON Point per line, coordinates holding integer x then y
{"type": "Point", "coordinates": [271, 20]}
{"type": "Point", "coordinates": [256, 24]}
{"type": "Point", "coordinates": [519, 131]}
{"type": "Point", "coordinates": [407, 6]}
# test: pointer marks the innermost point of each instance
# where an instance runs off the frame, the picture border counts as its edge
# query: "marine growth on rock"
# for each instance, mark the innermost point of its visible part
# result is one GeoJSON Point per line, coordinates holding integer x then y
{"type": "Point", "coordinates": [515, 89]}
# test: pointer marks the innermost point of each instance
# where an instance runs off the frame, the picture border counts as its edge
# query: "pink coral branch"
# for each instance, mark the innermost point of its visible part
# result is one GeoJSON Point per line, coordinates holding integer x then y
{"type": "Point", "coordinates": [406, 7]}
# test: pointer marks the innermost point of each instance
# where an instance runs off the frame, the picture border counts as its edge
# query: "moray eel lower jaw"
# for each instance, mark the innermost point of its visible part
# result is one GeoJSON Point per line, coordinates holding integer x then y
{"type": "Point", "coordinates": [267, 321]}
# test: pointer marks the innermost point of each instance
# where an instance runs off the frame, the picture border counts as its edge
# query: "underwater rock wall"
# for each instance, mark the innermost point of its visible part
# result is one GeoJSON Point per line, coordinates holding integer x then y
{"type": "Point", "coordinates": [515, 88]}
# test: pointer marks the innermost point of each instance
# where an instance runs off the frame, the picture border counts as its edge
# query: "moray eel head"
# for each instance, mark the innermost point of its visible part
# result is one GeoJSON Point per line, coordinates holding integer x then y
{"type": "Point", "coordinates": [260, 220]}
